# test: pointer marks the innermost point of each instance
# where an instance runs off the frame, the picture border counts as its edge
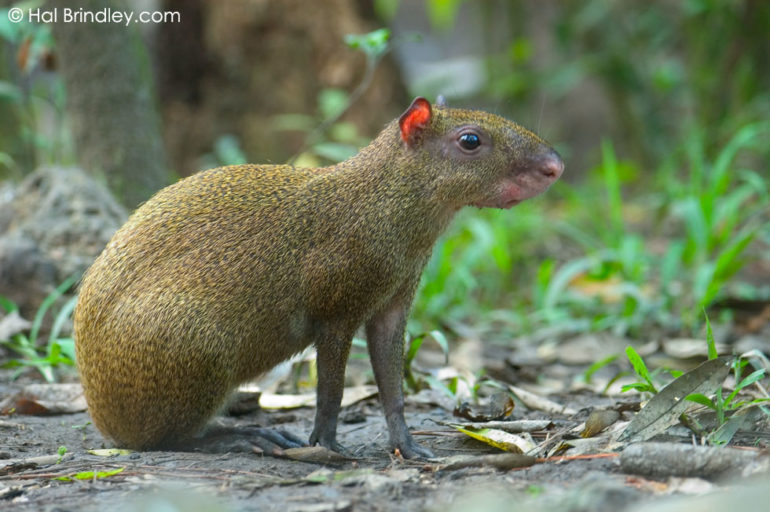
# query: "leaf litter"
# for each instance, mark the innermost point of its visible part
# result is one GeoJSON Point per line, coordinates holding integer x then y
{"type": "Point", "coordinates": [571, 433]}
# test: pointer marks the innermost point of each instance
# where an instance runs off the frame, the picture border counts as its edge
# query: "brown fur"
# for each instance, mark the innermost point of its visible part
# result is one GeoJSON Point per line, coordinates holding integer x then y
{"type": "Point", "coordinates": [223, 275]}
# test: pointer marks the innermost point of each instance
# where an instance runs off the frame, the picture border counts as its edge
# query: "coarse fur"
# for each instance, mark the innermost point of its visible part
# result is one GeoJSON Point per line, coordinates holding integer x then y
{"type": "Point", "coordinates": [223, 275]}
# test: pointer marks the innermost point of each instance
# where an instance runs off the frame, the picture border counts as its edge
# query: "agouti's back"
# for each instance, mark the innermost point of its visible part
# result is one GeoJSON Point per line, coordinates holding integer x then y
{"type": "Point", "coordinates": [220, 277]}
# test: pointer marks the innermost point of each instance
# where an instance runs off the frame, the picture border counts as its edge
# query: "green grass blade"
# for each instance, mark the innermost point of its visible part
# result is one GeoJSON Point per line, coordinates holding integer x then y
{"type": "Point", "coordinates": [61, 317]}
{"type": "Point", "coordinates": [712, 347]}
{"type": "Point", "coordinates": [46, 305]}
{"type": "Point", "coordinates": [701, 399]}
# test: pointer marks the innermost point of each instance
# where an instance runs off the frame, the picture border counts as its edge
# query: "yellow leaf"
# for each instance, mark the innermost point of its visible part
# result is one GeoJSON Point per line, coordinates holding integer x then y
{"type": "Point", "coordinates": [498, 438]}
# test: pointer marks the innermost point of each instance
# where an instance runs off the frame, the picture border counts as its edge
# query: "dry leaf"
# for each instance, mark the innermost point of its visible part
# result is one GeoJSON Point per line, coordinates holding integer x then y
{"type": "Point", "coordinates": [499, 439]}
{"type": "Point", "coordinates": [350, 396]}
{"type": "Point", "coordinates": [44, 399]}
{"type": "Point", "coordinates": [598, 421]}
{"type": "Point", "coordinates": [664, 408]}
{"type": "Point", "coordinates": [539, 403]}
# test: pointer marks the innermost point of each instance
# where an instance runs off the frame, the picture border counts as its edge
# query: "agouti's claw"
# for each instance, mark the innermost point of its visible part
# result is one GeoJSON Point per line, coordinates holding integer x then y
{"type": "Point", "coordinates": [413, 450]}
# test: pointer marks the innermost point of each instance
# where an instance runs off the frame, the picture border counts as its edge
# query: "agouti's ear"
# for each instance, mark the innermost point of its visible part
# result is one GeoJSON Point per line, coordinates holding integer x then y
{"type": "Point", "coordinates": [415, 120]}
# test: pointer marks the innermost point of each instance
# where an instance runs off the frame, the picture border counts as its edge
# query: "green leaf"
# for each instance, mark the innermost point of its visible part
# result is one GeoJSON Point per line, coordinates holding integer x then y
{"type": "Point", "coordinates": [61, 318]}
{"type": "Point", "coordinates": [46, 305]}
{"type": "Point", "coordinates": [227, 149]}
{"type": "Point", "coordinates": [727, 264]}
{"type": "Point", "coordinates": [90, 475]}
{"type": "Point", "coordinates": [701, 399]}
{"type": "Point", "coordinates": [334, 151]}
{"type": "Point", "coordinates": [712, 347]}
{"type": "Point", "coordinates": [747, 381]}
{"type": "Point", "coordinates": [751, 379]}
{"type": "Point", "coordinates": [62, 451]}
{"type": "Point", "coordinates": [564, 276]}
{"type": "Point", "coordinates": [8, 305]}
{"type": "Point", "coordinates": [727, 430]}
{"type": "Point", "coordinates": [414, 347]}
{"type": "Point", "coordinates": [331, 102]}
{"type": "Point", "coordinates": [597, 366]}
{"type": "Point", "coordinates": [641, 387]}
{"type": "Point", "coordinates": [742, 139]}
{"type": "Point", "coordinates": [442, 342]}
{"type": "Point", "coordinates": [639, 367]}
{"type": "Point", "coordinates": [374, 44]}
{"type": "Point", "coordinates": [442, 13]}
{"type": "Point", "coordinates": [612, 188]}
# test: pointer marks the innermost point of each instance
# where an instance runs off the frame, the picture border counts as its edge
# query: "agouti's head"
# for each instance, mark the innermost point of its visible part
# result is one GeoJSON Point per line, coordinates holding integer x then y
{"type": "Point", "coordinates": [476, 158]}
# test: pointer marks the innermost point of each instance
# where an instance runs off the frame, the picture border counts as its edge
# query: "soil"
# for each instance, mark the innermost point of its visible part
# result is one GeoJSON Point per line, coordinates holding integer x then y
{"type": "Point", "coordinates": [373, 480]}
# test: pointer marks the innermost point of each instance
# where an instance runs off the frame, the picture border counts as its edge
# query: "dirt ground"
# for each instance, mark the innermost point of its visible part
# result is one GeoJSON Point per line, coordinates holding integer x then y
{"type": "Point", "coordinates": [374, 480]}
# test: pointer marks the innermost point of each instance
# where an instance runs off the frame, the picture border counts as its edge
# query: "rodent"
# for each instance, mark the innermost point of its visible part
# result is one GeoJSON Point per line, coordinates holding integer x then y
{"type": "Point", "coordinates": [224, 274]}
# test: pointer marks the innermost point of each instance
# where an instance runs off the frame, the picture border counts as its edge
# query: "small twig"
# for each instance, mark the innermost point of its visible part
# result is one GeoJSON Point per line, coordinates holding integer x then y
{"type": "Point", "coordinates": [589, 456]}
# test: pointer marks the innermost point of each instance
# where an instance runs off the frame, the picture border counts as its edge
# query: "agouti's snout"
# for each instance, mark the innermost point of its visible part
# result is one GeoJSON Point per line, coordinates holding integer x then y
{"type": "Point", "coordinates": [551, 166]}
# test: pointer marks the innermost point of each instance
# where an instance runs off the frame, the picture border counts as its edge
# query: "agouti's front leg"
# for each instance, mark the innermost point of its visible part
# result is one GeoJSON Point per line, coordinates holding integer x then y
{"type": "Point", "coordinates": [385, 340]}
{"type": "Point", "coordinates": [331, 358]}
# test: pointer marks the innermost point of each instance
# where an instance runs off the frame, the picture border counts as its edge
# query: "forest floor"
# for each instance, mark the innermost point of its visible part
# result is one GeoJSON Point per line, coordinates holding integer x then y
{"type": "Point", "coordinates": [587, 473]}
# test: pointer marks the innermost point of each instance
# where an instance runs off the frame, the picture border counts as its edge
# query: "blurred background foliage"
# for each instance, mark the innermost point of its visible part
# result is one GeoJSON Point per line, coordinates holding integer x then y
{"type": "Point", "coordinates": [660, 109]}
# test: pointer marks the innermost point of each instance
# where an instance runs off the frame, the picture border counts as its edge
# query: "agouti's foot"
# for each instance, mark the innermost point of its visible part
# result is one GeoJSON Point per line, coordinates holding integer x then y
{"type": "Point", "coordinates": [222, 439]}
{"type": "Point", "coordinates": [328, 440]}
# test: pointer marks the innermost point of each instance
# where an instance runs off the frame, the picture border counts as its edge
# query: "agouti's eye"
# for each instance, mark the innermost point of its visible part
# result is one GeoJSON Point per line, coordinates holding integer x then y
{"type": "Point", "coordinates": [469, 141]}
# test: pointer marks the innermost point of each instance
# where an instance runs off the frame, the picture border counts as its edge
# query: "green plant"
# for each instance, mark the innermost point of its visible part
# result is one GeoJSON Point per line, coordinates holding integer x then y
{"type": "Point", "coordinates": [645, 384]}
{"type": "Point", "coordinates": [57, 350]}
{"type": "Point", "coordinates": [593, 368]}
{"type": "Point", "coordinates": [327, 139]}
{"type": "Point", "coordinates": [727, 408]}
{"type": "Point", "coordinates": [706, 222]}
{"type": "Point", "coordinates": [61, 452]}
{"type": "Point", "coordinates": [479, 269]}
{"type": "Point", "coordinates": [412, 381]}
{"type": "Point", "coordinates": [227, 151]}
{"type": "Point", "coordinates": [720, 209]}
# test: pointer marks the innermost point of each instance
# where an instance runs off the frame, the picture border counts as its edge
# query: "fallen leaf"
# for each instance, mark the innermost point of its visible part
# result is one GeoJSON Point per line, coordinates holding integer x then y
{"type": "Point", "coordinates": [598, 421]}
{"type": "Point", "coordinates": [110, 452]}
{"type": "Point", "coordinates": [515, 426]}
{"type": "Point", "coordinates": [499, 439]}
{"type": "Point", "coordinates": [12, 324]}
{"type": "Point", "coordinates": [499, 406]}
{"type": "Point", "coordinates": [539, 403]}
{"type": "Point", "coordinates": [45, 399]}
{"type": "Point", "coordinates": [317, 454]}
{"type": "Point", "coordinates": [664, 409]}
{"type": "Point", "coordinates": [350, 396]}
{"type": "Point", "coordinates": [89, 475]}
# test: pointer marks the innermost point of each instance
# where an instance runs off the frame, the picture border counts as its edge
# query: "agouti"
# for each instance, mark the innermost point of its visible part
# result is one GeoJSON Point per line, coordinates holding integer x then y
{"type": "Point", "coordinates": [223, 275]}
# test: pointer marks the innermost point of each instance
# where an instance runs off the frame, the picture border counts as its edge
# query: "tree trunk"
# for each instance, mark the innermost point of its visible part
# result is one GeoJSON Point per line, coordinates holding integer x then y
{"type": "Point", "coordinates": [111, 103]}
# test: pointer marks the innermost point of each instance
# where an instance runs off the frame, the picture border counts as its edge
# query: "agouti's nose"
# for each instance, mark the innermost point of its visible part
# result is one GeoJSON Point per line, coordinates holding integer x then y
{"type": "Point", "coordinates": [551, 165]}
